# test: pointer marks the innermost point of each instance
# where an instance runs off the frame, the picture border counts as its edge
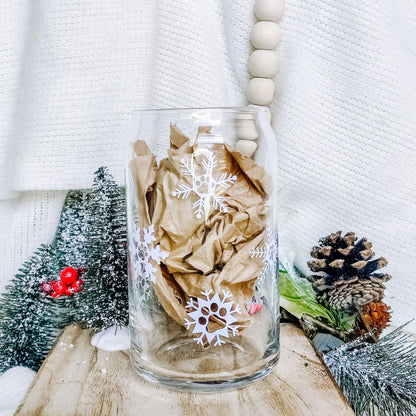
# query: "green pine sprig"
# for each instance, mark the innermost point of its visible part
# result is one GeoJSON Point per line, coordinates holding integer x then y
{"type": "Point", "coordinates": [378, 379]}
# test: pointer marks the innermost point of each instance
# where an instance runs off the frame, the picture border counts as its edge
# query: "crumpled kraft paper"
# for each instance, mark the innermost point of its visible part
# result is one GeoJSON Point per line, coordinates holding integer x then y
{"type": "Point", "coordinates": [211, 252]}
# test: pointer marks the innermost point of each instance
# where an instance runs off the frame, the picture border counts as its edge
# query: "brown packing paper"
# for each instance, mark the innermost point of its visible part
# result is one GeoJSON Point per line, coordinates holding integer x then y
{"type": "Point", "coordinates": [211, 252]}
{"type": "Point", "coordinates": [144, 168]}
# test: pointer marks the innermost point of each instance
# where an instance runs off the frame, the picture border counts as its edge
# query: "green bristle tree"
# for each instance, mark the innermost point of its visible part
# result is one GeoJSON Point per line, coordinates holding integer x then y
{"type": "Point", "coordinates": [91, 236]}
{"type": "Point", "coordinates": [71, 236]}
{"type": "Point", "coordinates": [104, 299]}
{"type": "Point", "coordinates": [29, 322]}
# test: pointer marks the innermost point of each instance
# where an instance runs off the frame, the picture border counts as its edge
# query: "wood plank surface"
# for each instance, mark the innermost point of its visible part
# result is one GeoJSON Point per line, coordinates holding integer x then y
{"type": "Point", "coordinates": [77, 379]}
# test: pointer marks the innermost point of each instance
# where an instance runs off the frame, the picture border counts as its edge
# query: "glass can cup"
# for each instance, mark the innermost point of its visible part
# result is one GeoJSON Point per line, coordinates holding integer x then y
{"type": "Point", "coordinates": [203, 248]}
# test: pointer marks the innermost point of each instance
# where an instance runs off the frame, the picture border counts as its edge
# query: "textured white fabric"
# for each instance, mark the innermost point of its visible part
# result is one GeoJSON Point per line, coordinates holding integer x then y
{"type": "Point", "coordinates": [344, 111]}
{"type": "Point", "coordinates": [26, 221]}
{"type": "Point", "coordinates": [345, 117]}
{"type": "Point", "coordinates": [13, 386]}
{"type": "Point", "coordinates": [87, 65]}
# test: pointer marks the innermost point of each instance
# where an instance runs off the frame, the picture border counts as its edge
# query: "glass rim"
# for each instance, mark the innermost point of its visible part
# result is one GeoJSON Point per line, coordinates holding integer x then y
{"type": "Point", "coordinates": [253, 110]}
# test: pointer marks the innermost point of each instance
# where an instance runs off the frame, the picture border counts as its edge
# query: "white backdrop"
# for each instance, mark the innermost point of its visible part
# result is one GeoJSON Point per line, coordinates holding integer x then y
{"type": "Point", "coordinates": [344, 112]}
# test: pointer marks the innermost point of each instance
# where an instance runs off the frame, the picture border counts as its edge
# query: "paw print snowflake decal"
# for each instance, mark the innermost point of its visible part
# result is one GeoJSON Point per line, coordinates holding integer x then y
{"type": "Point", "coordinates": [204, 186]}
{"type": "Point", "coordinates": [146, 254]}
{"type": "Point", "coordinates": [212, 318]}
{"type": "Point", "coordinates": [269, 254]}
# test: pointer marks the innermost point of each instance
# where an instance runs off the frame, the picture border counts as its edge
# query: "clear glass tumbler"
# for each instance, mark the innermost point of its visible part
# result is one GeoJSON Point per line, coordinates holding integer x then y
{"type": "Point", "coordinates": [203, 250]}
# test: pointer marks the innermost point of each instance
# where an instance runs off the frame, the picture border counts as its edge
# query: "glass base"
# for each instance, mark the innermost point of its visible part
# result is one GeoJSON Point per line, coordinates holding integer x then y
{"type": "Point", "coordinates": [202, 371]}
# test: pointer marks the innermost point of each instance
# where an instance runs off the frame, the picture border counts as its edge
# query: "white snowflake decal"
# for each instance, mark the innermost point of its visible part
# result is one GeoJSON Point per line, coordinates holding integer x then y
{"type": "Point", "coordinates": [204, 186]}
{"type": "Point", "coordinates": [212, 311]}
{"type": "Point", "coordinates": [146, 254]}
{"type": "Point", "coordinates": [269, 254]}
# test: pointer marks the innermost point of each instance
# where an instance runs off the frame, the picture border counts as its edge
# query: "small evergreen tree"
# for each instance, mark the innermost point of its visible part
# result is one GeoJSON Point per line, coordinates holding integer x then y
{"type": "Point", "coordinates": [71, 245]}
{"type": "Point", "coordinates": [91, 235]}
{"type": "Point", "coordinates": [71, 235]}
{"type": "Point", "coordinates": [104, 299]}
{"type": "Point", "coordinates": [29, 322]}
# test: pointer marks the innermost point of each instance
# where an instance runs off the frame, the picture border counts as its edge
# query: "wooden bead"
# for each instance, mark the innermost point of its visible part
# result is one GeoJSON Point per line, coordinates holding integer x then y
{"type": "Point", "coordinates": [246, 129]}
{"type": "Point", "coordinates": [269, 114]}
{"type": "Point", "coordinates": [260, 91]}
{"type": "Point", "coordinates": [245, 115]}
{"type": "Point", "coordinates": [271, 10]}
{"type": "Point", "coordinates": [246, 147]}
{"type": "Point", "coordinates": [265, 35]}
{"type": "Point", "coordinates": [263, 63]}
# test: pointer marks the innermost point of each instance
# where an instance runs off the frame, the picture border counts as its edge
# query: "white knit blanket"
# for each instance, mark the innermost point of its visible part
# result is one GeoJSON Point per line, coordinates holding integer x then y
{"type": "Point", "coordinates": [344, 113]}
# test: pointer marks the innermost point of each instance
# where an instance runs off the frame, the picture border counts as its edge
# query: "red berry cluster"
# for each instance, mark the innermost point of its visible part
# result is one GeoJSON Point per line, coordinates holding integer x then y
{"type": "Point", "coordinates": [68, 285]}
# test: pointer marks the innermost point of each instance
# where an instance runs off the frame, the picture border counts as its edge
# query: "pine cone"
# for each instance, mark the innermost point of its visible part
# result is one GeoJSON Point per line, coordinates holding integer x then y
{"type": "Point", "coordinates": [350, 279]}
{"type": "Point", "coordinates": [375, 316]}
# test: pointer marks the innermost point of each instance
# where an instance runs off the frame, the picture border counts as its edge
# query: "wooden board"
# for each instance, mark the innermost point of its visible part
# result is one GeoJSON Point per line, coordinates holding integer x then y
{"type": "Point", "coordinates": [78, 380]}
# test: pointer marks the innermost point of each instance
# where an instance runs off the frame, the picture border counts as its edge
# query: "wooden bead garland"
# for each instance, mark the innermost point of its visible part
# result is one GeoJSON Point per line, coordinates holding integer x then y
{"type": "Point", "coordinates": [265, 35]}
{"type": "Point", "coordinates": [246, 130]}
{"type": "Point", "coordinates": [260, 91]}
{"type": "Point", "coordinates": [246, 147]}
{"type": "Point", "coordinates": [263, 65]}
{"type": "Point", "coordinates": [245, 127]}
{"type": "Point", "coordinates": [271, 10]}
